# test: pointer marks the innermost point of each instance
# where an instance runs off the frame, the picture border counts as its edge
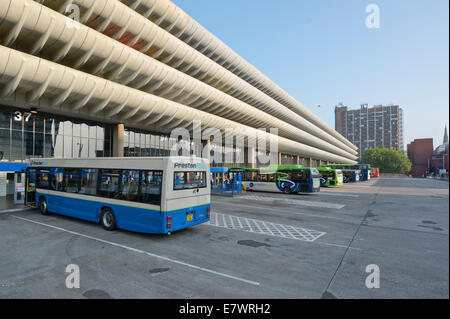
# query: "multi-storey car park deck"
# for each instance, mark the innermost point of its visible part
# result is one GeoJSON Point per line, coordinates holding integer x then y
{"type": "Point", "coordinates": [160, 72]}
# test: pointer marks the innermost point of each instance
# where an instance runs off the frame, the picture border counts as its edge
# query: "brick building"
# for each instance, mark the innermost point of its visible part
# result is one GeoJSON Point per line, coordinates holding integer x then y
{"type": "Point", "coordinates": [425, 159]}
{"type": "Point", "coordinates": [420, 152]}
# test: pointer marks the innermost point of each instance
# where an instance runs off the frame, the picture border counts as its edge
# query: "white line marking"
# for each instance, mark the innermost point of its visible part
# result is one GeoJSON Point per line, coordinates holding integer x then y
{"type": "Point", "coordinates": [288, 213]}
{"type": "Point", "coordinates": [141, 252]}
{"type": "Point", "coordinates": [337, 194]}
{"type": "Point", "coordinates": [12, 210]}
{"type": "Point", "coordinates": [294, 201]}
{"type": "Point", "coordinates": [338, 245]}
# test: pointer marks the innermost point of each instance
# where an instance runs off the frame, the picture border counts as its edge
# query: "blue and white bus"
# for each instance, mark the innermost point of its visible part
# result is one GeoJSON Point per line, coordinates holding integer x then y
{"type": "Point", "coordinates": [289, 179]}
{"type": "Point", "coordinates": [351, 175]}
{"type": "Point", "coordinates": [140, 194]}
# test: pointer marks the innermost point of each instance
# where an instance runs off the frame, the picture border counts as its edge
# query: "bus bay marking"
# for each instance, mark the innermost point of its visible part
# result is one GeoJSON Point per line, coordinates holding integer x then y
{"type": "Point", "coordinates": [142, 252]}
{"type": "Point", "coordinates": [263, 227]}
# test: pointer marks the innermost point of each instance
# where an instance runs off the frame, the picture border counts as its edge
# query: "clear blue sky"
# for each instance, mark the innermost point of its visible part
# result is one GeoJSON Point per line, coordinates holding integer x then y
{"type": "Point", "coordinates": [321, 52]}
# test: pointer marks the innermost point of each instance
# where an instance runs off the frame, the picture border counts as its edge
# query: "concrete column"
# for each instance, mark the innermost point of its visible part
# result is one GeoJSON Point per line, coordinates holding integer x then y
{"type": "Point", "coordinates": [297, 160]}
{"type": "Point", "coordinates": [310, 162]}
{"type": "Point", "coordinates": [118, 137]}
{"type": "Point", "coordinates": [206, 152]}
{"type": "Point", "coordinates": [279, 159]}
{"type": "Point", "coordinates": [2, 184]}
{"type": "Point", "coordinates": [251, 157]}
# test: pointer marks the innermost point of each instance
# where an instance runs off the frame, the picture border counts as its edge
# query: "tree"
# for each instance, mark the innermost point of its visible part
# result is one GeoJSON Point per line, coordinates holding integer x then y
{"type": "Point", "coordinates": [388, 161]}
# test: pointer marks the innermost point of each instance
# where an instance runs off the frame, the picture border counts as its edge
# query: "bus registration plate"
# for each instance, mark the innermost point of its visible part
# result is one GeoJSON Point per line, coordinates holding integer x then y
{"type": "Point", "coordinates": [189, 217]}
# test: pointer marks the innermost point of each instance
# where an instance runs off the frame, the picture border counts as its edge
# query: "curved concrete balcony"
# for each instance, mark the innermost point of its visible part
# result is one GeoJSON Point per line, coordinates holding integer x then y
{"type": "Point", "coordinates": [26, 80]}
{"type": "Point", "coordinates": [170, 17]}
{"type": "Point", "coordinates": [114, 19]}
{"type": "Point", "coordinates": [89, 50]}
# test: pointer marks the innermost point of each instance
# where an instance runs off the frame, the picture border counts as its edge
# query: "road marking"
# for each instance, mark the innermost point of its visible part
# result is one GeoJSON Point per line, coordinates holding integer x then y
{"type": "Point", "coordinates": [340, 246]}
{"type": "Point", "coordinates": [264, 227]}
{"type": "Point", "coordinates": [289, 213]}
{"type": "Point", "coordinates": [318, 242]}
{"type": "Point", "coordinates": [337, 194]}
{"type": "Point", "coordinates": [142, 252]}
{"type": "Point", "coordinates": [294, 201]}
{"type": "Point", "coordinates": [12, 210]}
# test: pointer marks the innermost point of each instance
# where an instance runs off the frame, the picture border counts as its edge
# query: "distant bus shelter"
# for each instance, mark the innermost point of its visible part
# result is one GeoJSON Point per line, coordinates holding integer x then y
{"type": "Point", "coordinates": [225, 182]}
{"type": "Point", "coordinates": [12, 180]}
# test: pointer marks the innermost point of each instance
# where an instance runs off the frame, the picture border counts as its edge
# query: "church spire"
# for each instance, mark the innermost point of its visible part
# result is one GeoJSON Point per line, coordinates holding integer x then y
{"type": "Point", "coordinates": [445, 135]}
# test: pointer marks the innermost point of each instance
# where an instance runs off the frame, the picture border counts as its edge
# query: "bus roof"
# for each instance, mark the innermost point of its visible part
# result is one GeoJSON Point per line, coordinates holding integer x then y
{"type": "Point", "coordinates": [345, 165]}
{"type": "Point", "coordinates": [326, 168]}
{"type": "Point", "coordinates": [121, 162]}
{"type": "Point", "coordinates": [270, 168]}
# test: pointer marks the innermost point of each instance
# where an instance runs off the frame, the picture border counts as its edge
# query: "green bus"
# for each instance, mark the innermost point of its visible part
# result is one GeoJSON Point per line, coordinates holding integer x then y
{"type": "Point", "coordinates": [330, 177]}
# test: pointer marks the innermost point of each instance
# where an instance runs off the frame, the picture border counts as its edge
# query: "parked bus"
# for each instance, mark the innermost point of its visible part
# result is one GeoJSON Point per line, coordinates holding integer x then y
{"type": "Point", "coordinates": [351, 175]}
{"type": "Point", "coordinates": [330, 177]}
{"type": "Point", "coordinates": [141, 194]}
{"type": "Point", "coordinates": [285, 178]}
{"type": "Point", "coordinates": [364, 169]}
{"type": "Point", "coordinates": [374, 172]}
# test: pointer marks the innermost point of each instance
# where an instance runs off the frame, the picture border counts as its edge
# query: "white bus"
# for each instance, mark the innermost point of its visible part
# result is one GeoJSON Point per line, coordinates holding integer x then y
{"type": "Point", "coordinates": [141, 194]}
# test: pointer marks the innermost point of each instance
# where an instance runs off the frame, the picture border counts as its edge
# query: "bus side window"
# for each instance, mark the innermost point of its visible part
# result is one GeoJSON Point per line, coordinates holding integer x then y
{"type": "Point", "coordinates": [301, 176]}
{"type": "Point", "coordinates": [72, 180]}
{"type": "Point", "coordinates": [151, 182]}
{"type": "Point", "coordinates": [130, 185]}
{"type": "Point", "coordinates": [290, 175]}
{"type": "Point", "coordinates": [88, 182]}
{"type": "Point", "coordinates": [56, 179]}
{"type": "Point", "coordinates": [43, 178]}
{"type": "Point", "coordinates": [108, 183]}
{"type": "Point", "coordinates": [249, 176]}
{"type": "Point", "coordinates": [293, 176]}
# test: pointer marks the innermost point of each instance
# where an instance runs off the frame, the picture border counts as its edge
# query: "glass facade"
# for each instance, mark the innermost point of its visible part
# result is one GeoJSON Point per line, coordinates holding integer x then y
{"type": "Point", "coordinates": [138, 143]}
{"type": "Point", "coordinates": [24, 135]}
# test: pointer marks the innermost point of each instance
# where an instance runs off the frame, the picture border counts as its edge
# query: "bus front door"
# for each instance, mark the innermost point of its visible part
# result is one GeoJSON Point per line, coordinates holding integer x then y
{"type": "Point", "coordinates": [30, 197]}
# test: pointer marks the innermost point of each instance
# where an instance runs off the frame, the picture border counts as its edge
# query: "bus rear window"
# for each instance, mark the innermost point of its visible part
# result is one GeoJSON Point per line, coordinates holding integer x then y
{"type": "Point", "coordinates": [314, 173]}
{"type": "Point", "coordinates": [188, 180]}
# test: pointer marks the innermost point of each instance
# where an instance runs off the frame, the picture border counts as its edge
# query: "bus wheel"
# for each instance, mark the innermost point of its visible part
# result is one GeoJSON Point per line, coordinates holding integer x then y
{"type": "Point", "coordinates": [107, 219]}
{"type": "Point", "coordinates": [43, 206]}
{"type": "Point", "coordinates": [287, 190]}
